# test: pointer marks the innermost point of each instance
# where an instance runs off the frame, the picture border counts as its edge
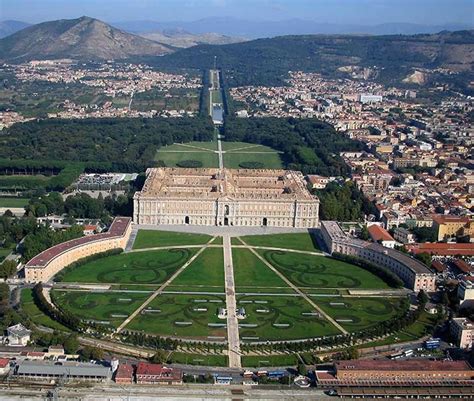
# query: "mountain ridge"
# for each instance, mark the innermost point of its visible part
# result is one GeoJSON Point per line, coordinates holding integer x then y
{"type": "Point", "coordinates": [82, 38]}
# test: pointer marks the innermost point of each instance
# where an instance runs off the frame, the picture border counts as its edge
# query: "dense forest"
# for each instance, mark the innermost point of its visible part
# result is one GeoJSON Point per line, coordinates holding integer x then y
{"type": "Point", "coordinates": [309, 145]}
{"type": "Point", "coordinates": [267, 61]}
{"type": "Point", "coordinates": [344, 203]}
{"type": "Point", "coordinates": [126, 144]}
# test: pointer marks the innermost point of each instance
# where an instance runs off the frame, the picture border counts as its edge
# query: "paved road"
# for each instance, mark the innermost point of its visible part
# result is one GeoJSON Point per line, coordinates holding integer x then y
{"type": "Point", "coordinates": [162, 287]}
{"type": "Point", "coordinates": [232, 321]}
{"type": "Point", "coordinates": [297, 290]}
{"type": "Point", "coordinates": [219, 152]}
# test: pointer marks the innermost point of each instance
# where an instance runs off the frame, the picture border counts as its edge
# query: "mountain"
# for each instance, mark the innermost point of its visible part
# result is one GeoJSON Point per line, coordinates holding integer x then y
{"type": "Point", "coordinates": [264, 29]}
{"type": "Point", "coordinates": [9, 27]}
{"type": "Point", "coordinates": [182, 39]}
{"type": "Point", "coordinates": [82, 39]}
{"type": "Point", "coordinates": [392, 58]}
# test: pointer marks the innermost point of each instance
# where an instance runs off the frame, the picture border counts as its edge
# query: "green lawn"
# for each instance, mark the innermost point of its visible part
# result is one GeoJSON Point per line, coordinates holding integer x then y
{"type": "Point", "coordinates": [198, 359]}
{"type": "Point", "coordinates": [152, 239]}
{"type": "Point", "coordinates": [179, 315]}
{"type": "Point", "coordinates": [171, 159]}
{"type": "Point", "coordinates": [29, 307]}
{"type": "Point", "coordinates": [268, 159]}
{"type": "Point", "coordinates": [189, 146]}
{"type": "Point", "coordinates": [249, 271]}
{"type": "Point", "coordinates": [356, 314]}
{"type": "Point", "coordinates": [13, 202]}
{"type": "Point", "coordinates": [206, 270]}
{"type": "Point", "coordinates": [321, 272]}
{"type": "Point", "coordinates": [106, 307]}
{"type": "Point", "coordinates": [147, 267]}
{"type": "Point", "coordinates": [245, 147]}
{"type": "Point", "coordinates": [276, 318]}
{"type": "Point", "coordinates": [216, 96]}
{"type": "Point", "coordinates": [261, 361]}
{"type": "Point", "coordinates": [420, 328]}
{"type": "Point", "coordinates": [298, 241]}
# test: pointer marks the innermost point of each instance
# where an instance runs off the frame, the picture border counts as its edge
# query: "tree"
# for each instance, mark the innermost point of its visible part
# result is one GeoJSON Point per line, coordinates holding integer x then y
{"type": "Point", "coordinates": [92, 353]}
{"type": "Point", "coordinates": [302, 370]}
{"type": "Point", "coordinates": [364, 233]}
{"type": "Point", "coordinates": [71, 344]}
{"type": "Point", "coordinates": [159, 357]}
{"type": "Point", "coordinates": [422, 297]}
{"type": "Point", "coordinates": [7, 269]}
{"type": "Point", "coordinates": [424, 258]}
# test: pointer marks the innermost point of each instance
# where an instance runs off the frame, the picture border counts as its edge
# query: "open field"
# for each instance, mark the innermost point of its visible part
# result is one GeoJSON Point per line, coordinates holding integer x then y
{"type": "Point", "coordinates": [29, 307]}
{"type": "Point", "coordinates": [321, 272]}
{"type": "Point", "coordinates": [172, 159]}
{"type": "Point", "coordinates": [298, 241]}
{"type": "Point", "coordinates": [356, 314]}
{"type": "Point", "coordinates": [206, 270]}
{"type": "Point", "coordinates": [182, 315]}
{"type": "Point", "coordinates": [190, 147]}
{"type": "Point", "coordinates": [106, 308]}
{"type": "Point", "coordinates": [199, 359]}
{"type": "Point", "coordinates": [262, 361]}
{"type": "Point", "coordinates": [267, 160]}
{"type": "Point", "coordinates": [152, 239]}
{"type": "Point", "coordinates": [276, 318]}
{"type": "Point", "coordinates": [245, 147]}
{"type": "Point", "coordinates": [148, 267]}
{"type": "Point", "coordinates": [249, 272]}
{"type": "Point", "coordinates": [13, 202]}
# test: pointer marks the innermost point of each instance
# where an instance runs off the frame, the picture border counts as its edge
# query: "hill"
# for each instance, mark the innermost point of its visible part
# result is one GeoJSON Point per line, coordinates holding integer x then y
{"type": "Point", "coordinates": [267, 61]}
{"type": "Point", "coordinates": [82, 39]}
{"type": "Point", "coordinates": [183, 39]}
{"type": "Point", "coordinates": [9, 27]}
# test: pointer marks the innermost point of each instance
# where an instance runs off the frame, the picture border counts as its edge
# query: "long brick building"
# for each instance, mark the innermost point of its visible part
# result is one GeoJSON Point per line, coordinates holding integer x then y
{"type": "Point", "coordinates": [412, 272]}
{"type": "Point", "coordinates": [49, 262]}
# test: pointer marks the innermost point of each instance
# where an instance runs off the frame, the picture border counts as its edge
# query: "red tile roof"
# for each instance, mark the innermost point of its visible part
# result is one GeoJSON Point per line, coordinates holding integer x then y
{"type": "Point", "coordinates": [408, 365]}
{"type": "Point", "coordinates": [124, 371]}
{"type": "Point", "coordinates": [4, 363]}
{"type": "Point", "coordinates": [378, 233]}
{"type": "Point", "coordinates": [462, 266]}
{"type": "Point", "coordinates": [117, 228]}
{"type": "Point", "coordinates": [158, 370]}
{"type": "Point", "coordinates": [442, 248]}
{"type": "Point", "coordinates": [443, 219]}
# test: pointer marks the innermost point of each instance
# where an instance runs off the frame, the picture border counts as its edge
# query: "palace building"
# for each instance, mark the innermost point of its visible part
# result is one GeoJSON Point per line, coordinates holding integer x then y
{"type": "Point", "coordinates": [227, 197]}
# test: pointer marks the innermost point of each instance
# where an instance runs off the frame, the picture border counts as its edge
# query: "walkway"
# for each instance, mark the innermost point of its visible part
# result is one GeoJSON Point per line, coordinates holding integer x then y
{"type": "Point", "coordinates": [161, 288]}
{"type": "Point", "coordinates": [232, 321]}
{"type": "Point", "coordinates": [296, 289]}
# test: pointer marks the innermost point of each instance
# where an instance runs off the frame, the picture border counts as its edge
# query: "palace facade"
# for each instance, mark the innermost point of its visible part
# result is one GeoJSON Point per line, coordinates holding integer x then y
{"type": "Point", "coordinates": [227, 197]}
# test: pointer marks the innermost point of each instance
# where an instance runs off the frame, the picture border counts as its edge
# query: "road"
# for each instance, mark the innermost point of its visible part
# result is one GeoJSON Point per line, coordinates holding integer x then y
{"type": "Point", "coordinates": [232, 321]}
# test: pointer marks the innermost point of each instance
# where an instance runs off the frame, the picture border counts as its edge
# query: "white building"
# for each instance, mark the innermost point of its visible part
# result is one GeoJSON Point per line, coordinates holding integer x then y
{"type": "Point", "coordinates": [18, 335]}
{"type": "Point", "coordinates": [403, 235]}
{"type": "Point", "coordinates": [462, 329]}
{"type": "Point", "coordinates": [466, 292]}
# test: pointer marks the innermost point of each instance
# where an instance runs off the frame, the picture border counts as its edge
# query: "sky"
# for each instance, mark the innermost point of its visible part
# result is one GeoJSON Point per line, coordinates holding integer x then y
{"type": "Point", "coordinates": [370, 12]}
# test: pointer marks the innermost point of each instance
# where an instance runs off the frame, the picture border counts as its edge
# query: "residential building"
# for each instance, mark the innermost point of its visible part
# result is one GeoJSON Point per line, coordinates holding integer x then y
{"type": "Point", "coordinates": [462, 329]}
{"type": "Point", "coordinates": [124, 374]}
{"type": "Point", "coordinates": [4, 366]}
{"type": "Point", "coordinates": [403, 235]}
{"type": "Point", "coordinates": [451, 226]}
{"type": "Point", "coordinates": [151, 373]}
{"type": "Point", "coordinates": [466, 292]}
{"type": "Point", "coordinates": [381, 235]}
{"type": "Point", "coordinates": [18, 335]}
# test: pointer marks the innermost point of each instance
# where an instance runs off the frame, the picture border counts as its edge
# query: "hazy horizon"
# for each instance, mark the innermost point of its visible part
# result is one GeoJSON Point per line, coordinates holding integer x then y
{"type": "Point", "coordinates": [361, 12]}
